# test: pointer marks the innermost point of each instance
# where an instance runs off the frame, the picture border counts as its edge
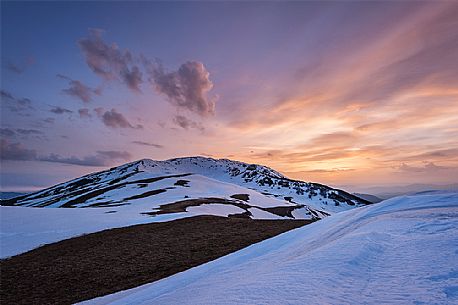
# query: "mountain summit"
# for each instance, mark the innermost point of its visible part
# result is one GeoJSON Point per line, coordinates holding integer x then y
{"type": "Point", "coordinates": [253, 190]}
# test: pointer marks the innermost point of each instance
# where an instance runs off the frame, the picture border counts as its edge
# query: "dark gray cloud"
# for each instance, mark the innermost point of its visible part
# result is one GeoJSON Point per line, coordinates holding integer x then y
{"type": "Point", "coordinates": [60, 110]}
{"type": "Point", "coordinates": [6, 95]}
{"type": "Point", "coordinates": [109, 62]}
{"type": "Point", "coordinates": [114, 154]}
{"type": "Point", "coordinates": [79, 90]}
{"type": "Point", "coordinates": [100, 158]}
{"type": "Point", "coordinates": [147, 144]}
{"type": "Point", "coordinates": [28, 131]}
{"type": "Point", "coordinates": [187, 88]}
{"type": "Point", "coordinates": [20, 68]}
{"type": "Point", "coordinates": [114, 119]}
{"type": "Point", "coordinates": [16, 151]}
{"type": "Point", "coordinates": [14, 68]}
{"type": "Point", "coordinates": [7, 132]}
{"type": "Point", "coordinates": [186, 123]}
{"type": "Point", "coordinates": [15, 104]}
{"type": "Point", "coordinates": [84, 113]}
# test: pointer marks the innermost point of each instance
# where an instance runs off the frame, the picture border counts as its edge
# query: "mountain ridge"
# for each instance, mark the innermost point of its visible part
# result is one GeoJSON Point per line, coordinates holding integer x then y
{"type": "Point", "coordinates": [147, 191]}
{"type": "Point", "coordinates": [146, 171]}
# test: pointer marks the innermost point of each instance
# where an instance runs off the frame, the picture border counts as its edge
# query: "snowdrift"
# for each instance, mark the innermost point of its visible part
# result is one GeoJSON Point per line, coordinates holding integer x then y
{"type": "Point", "coordinates": [401, 251]}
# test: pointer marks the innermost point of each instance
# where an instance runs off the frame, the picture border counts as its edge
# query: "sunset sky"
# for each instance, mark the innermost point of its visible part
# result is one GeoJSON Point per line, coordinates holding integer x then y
{"type": "Point", "coordinates": [342, 93]}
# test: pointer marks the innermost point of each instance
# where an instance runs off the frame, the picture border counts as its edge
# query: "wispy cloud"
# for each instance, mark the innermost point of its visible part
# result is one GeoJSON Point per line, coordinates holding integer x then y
{"type": "Point", "coordinates": [79, 90]}
{"type": "Point", "coordinates": [18, 152]}
{"type": "Point", "coordinates": [84, 113]}
{"type": "Point", "coordinates": [100, 158]}
{"type": "Point", "coordinates": [15, 104]}
{"type": "Point", "coordinates": [148, 144]}
{"type": "Point", "coordinates": [187, 123]}
{"type": "Point", "coordinates": [7, 132]}
{"type": "Point", "coordinates": [109, 62]}
{"type": "Point", "coordinates": [60, 110]}
{"type": "Point", "coordinates": [427, 167]}
{"type": "Point", "coordinates": [21, 67]}
{"type": "Point", "coordinates": [115, 119]}
{"type": "Point", "coordinates": [29, 131]}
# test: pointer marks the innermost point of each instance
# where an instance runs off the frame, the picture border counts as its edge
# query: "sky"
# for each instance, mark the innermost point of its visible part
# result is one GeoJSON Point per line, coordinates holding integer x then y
{"type": "Point", "coordinates": [342, 93]}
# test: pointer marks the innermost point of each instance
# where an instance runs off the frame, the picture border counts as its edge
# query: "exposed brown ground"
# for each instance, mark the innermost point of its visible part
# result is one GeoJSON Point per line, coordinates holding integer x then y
{"type": "Point", "coordinates": [182, 205]}
{"type": "Point", "coordinates": [101, 263]}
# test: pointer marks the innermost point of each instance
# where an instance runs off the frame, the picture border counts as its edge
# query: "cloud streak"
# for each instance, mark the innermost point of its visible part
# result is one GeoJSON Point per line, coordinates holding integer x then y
{"type": "Point", "coordinates": [14, 104]}
{"type": "Point", "coordinates": [148, 144]}
{"type": "Point", "coordinates": [60, 110]}
{"type": "Point", "coordinates": [18, 152]}
{"type": "Point", "coordinates": [20, 68]}
{"type": "Point", "coordinates": [100, 158]}
{"type": "Point", "coordinates": [79, 90]}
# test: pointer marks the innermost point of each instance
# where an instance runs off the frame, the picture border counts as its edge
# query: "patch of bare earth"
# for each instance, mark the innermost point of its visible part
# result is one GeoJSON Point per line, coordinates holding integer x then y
{"type": "Point", "coordinates": [105, 262]}
{"type": "Point", "coordinates": [240, 201]}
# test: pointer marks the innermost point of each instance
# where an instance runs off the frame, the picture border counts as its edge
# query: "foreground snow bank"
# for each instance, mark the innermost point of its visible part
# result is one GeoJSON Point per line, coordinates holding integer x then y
{"type": "Point", "coordinates": [401, 251]}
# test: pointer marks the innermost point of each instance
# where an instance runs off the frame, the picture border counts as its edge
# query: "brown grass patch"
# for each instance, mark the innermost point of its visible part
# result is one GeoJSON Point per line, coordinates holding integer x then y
{"type": "Point", "coordinates": [101, 263]}
{"type": "Point", "coordinates": [244, 197]}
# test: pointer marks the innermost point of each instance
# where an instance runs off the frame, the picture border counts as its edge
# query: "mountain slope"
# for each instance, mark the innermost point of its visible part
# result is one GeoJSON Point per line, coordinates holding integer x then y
{"type": "Point", "coordinates": [150, 191]}
{"type": "Point", "coordinates": [9, 195]}
{"type": "Point", "coordinates": [125, 184]}
{"type": "Point", "coordinates": [401, 251]}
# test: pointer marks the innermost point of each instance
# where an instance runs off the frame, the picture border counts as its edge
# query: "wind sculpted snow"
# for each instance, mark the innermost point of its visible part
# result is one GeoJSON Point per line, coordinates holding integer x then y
{"type": "Point", "coordinates": [401, 251]}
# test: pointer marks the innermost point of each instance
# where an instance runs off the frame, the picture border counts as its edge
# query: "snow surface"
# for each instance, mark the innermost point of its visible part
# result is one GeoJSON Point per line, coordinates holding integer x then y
{"type": "Point", "coordinates": [401, 251]}
{"type": "Point", "coordinates": [215, 209]}
{"type": "Point", "coordinates": [37, 219]}
{"type": "Point", "coordinates": [264, 183]}
{"type": "Point", "coordinates": [25, 228]}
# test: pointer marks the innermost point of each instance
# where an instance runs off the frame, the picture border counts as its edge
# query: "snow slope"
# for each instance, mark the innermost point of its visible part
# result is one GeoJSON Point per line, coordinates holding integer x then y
{"type": "Point", "coordinates": [134, 193]}
{"type": "Point", "coordinates": [118, 185]}
{"type": "Point", "coordinates": [401, 251]}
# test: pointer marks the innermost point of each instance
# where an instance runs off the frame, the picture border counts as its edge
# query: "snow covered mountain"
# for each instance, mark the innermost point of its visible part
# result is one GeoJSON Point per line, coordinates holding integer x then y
{"type": "Point", "coordinates": [401, 251]}
{"type": "Point", "coordinates": [150, 191]}
{"type": "Point", "coordinates": [253, 187]}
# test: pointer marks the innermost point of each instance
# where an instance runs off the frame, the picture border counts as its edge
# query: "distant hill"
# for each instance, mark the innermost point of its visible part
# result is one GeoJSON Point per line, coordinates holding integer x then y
{"type": "Point", "coordinates": [386, 192]}
{"type": "Point", "coordinates": [368, 197]}
{"type": "Point", "coordinates": [9, 195]}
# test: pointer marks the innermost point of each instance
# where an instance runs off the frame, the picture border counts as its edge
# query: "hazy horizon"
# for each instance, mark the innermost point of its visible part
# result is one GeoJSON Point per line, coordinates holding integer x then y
{"type": "Point", "coordinates": [373, 189]}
